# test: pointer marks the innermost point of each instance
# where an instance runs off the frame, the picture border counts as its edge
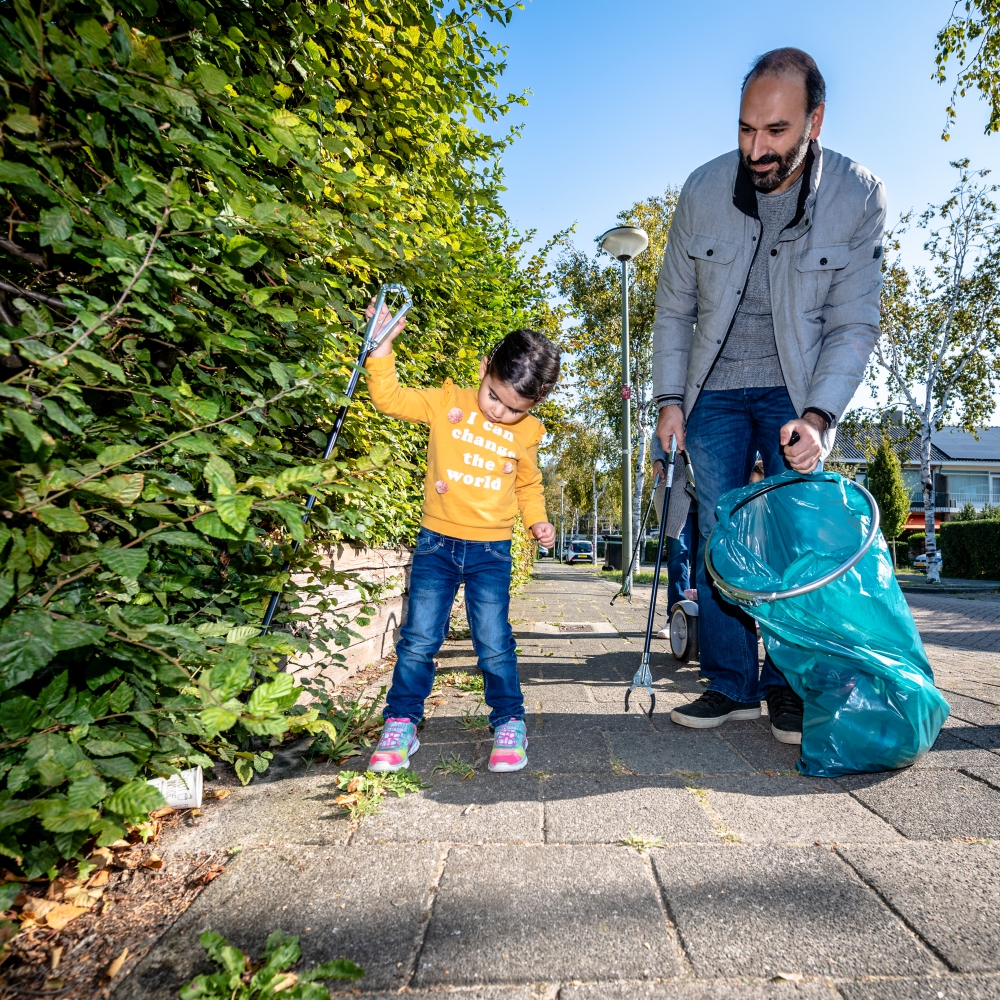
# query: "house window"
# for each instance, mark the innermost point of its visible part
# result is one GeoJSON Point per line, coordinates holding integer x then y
{"type": "Point", "coordinates": [911, 478]}
{"type": "Point", "coordinates": [969, 487]}
{"type": "Point", "coordinates": [996, 490]}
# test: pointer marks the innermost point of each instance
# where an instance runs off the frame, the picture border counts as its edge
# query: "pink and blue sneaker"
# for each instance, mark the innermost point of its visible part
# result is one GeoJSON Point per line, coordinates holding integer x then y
{"type": "Point", "coordinates": [510, 746]}
{"type": "Point", "coordinates": [398, 743]}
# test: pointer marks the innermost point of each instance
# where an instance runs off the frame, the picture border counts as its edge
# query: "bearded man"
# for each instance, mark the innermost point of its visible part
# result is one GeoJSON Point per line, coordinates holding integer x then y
{"type": "Point", "coordinates": [767, 310]}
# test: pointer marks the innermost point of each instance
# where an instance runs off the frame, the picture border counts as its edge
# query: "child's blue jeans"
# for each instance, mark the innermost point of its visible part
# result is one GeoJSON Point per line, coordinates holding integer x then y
{"type": "Point", "coordinates": [440, 565]}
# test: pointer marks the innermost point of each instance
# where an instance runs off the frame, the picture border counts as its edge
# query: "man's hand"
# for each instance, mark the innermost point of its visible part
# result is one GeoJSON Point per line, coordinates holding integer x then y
{"type": "Point", "coordinates": [385, 348]}
{"type": "Point", "coordinates": [545, 533]}
{"type": "Point", "coordinates": [659, 469]}
{"type": "Point", "coordinates": [804, 455]}
{"type": "Point", "coordinates": [671, 421]}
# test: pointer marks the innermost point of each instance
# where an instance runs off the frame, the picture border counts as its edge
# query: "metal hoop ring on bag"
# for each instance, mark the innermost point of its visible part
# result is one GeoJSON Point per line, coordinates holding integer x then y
{"type": "Point", "coordinates": [755, 597]}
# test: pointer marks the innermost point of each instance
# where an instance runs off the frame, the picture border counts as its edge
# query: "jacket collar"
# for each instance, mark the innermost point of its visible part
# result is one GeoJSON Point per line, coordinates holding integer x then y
{"type": "Point", "coordinates": [745, 194]}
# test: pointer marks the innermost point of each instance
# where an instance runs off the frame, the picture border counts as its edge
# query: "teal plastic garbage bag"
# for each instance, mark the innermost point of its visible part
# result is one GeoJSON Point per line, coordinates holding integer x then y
{"type": "Point", "coordinates": [850, 649]}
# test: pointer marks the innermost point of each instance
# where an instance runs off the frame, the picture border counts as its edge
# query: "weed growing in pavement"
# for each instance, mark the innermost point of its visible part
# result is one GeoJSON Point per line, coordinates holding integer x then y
{"type": "Point", "coordinates": [618, 766]}
{"type": "Point", "coordinates": [454, 765]}
{"type": "Point", "coordinates": [354, 725]}
{"type": "Point", "coordinates": [474, 720]}
{"type": "Point", "coordinates": [540, 775]}
{"type": "Point", "coordinates": [240, 978]}
{"type": "Point", "coordinates": [363, 791]}
{"type": "Point", "coordinates": [460, 679]}
{"type": "Point", "coordinates": [641, 844]}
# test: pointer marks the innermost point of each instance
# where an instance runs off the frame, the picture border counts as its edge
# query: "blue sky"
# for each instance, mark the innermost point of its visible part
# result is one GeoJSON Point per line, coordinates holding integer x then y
{"type": "Point", "coordinates": [629, 96]}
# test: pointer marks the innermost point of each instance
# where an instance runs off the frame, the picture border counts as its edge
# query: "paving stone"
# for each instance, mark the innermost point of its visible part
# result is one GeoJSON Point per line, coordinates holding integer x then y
{"type": "Point", "coordinates": [298, 810]}
{"type": "Point", "coordinates": [486, 809]}
{"type": "Point", "coordinates": [606, 716]}
{"type": "Point", "coordinates": [972, 709]}
{"type": "Point", "coordinates": [948, 893]}
{"type": "Point", "coordinates": [468, 993]}
{"type": "Point", "coordinates": [929, 804]}
{"type": "Point", "coordinates": [758, 911]}
{"type": "Point", "coordinates": [719, 990]}
{"type": "Point", "coordinates": [569, 753]}
{"type": "Point", "coordinates": [945, 988]}
{"type": "Point", "coordinates": [782, 810]}
{"type": "Point", "coordinates": [517, 914]}
{"type": "Point", "coordinates": [363, 903]}
{"type": "Point", "coordinates": [607, 808]}
{"type": "Point", "coordinates": [677, 749]}
{"type": "Point", "coordinates": [985, 737]}
{"type": "Point", "coordinates": [952, 751]}
{"type": "Point", "coordinates": [754, 742]}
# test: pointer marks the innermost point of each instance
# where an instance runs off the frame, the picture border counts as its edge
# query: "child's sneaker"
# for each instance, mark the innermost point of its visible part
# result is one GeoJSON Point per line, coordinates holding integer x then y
{"type": "Point", "coordinates": [510, 746]}
{"type": "Point", "coordinates": [399, 741]}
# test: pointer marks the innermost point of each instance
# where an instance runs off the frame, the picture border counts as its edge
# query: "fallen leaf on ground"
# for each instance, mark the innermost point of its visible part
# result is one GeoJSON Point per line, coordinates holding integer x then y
{"type": "Point", "coordinates": [788, 977]}
{"type": "Point", "coordinates": [163, 811]}
{"type": "Point", "coordinates": [223, 793]}
{"type": "Point", "coordinates": [35, 907]}
{"type": "Point", "coordinates": [55, 955]}
{"type": "Point", "coordinates": [59, 916]}
{"type": "Point", "coordinates": [116, 966]}
{"type": "Point", "coordinates": [100, 879]}
{"type": "Point", "coordinates": [153, 862]}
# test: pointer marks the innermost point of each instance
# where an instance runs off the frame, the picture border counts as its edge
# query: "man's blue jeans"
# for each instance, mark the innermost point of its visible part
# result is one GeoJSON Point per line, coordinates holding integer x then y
{"type": "Point", "coordinates": [725, 431]}
{"type": "Point", "coordinates": [440, 565]}
{"type": "Point", "coordinates": [681, 553]}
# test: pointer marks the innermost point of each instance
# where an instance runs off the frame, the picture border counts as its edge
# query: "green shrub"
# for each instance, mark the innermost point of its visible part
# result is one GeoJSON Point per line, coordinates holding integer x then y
{"type": "Point", "coordinates": [971, 549]}
{"type": "Point", "coordinates": [918, 538]}
{"type": "Point", "coordinates": [202, 196]}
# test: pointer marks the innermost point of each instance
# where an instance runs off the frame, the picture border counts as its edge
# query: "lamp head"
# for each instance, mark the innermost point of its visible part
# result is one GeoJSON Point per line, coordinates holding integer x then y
{"type": "Point", "coordinates": [624, 242]}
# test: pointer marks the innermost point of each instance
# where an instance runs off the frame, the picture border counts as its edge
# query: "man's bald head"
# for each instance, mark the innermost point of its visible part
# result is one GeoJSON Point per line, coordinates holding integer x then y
{"type": "Point", "coordinates": [788, 62]}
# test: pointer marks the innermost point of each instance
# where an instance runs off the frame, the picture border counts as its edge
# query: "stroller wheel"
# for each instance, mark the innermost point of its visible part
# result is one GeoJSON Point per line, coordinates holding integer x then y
{"type": "Point", "coordinates": [683, 634]}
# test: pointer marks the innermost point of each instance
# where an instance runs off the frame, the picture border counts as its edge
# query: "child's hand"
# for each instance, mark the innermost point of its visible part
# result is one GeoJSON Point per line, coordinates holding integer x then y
{"type": "Point", "coordinates": [545, 533]}
{"type": "Point", "coordinates": [385, 348]}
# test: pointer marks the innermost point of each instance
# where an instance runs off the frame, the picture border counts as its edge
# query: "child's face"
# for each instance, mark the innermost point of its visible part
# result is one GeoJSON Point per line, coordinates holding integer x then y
{"type": "Point", "coordinates": [498, 401]}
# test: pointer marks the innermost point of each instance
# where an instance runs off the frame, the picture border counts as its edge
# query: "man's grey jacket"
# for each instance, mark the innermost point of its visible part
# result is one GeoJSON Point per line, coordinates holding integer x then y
{"type": "Point", "coordinates": [825, 280]}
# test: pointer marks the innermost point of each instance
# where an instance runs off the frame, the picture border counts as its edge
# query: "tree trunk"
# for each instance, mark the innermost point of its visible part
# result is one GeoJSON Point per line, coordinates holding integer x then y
{"type": "Point", "coordinates": [927, 484]}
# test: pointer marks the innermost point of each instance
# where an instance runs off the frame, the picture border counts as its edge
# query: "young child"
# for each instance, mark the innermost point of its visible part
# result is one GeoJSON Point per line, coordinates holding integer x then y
{"type": "Point", "coordinates": [481, 468]}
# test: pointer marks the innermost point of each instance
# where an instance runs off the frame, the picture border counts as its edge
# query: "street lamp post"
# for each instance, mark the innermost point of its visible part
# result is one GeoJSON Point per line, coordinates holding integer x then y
{"type": "Point", "coordinates": [624, 243]}
{"type": "Point", "coordinates": [562, 518]}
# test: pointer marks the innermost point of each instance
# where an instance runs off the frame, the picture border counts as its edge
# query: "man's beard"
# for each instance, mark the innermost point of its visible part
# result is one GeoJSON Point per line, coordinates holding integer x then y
{"type": "Point", "coordinates": [787, 164]}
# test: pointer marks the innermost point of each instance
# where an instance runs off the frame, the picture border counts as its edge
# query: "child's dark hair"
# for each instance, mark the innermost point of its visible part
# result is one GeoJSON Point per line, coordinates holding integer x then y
{"type": "Point", "coordinates": [528, 362]}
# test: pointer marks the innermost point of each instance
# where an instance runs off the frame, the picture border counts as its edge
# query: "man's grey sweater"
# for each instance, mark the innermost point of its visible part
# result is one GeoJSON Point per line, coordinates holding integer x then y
{"type": "Point", "coordinates": [749, 357]}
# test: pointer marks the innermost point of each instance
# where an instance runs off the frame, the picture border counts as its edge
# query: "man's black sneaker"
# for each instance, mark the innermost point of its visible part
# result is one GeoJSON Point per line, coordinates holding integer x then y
{"type": "Point", "coordinates": [712, 709]}
{"type": "Point", "coordinates": [784, 707]}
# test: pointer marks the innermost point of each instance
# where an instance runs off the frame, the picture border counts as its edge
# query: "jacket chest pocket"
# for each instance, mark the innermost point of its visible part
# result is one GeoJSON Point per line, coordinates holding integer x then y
{"type": "Point", "coordinates": [713, 261]}
{"type": "Point", "coordinates": [814, 272]}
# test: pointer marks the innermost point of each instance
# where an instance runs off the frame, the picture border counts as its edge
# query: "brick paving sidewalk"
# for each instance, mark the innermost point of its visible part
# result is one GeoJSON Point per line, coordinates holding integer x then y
{"type": "Point", "coordinates": [510, 887]}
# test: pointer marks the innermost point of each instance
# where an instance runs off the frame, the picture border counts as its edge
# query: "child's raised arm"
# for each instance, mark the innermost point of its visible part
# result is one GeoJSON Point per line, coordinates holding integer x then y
{"type": "Point", "coordinates": [388, 396]}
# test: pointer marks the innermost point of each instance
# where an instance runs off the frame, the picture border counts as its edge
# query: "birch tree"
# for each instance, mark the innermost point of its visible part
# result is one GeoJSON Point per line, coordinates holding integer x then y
{"type": "Point", "coordinates": [592, 286]}
{"type": "Point", "coordinates": [940, 342]}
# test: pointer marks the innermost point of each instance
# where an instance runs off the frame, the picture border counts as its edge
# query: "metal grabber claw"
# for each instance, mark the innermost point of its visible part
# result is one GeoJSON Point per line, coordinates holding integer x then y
{"type": "Point", "coordinates": [643, 680]}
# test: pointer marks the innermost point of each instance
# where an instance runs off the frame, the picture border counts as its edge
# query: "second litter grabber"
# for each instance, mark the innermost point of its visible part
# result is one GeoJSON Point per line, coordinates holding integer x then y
{"type": "Point", "coordinates": [643, 678]}
{"type": "Point", "coordinates": [397, 299]}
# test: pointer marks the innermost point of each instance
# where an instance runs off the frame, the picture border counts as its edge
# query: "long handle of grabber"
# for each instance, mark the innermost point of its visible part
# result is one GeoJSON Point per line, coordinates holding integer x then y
{"type": "Point", "coordinates": [367, 346]}
{"type": "Point", "coordinates": [659, 547]}
{"type": "Point", "coordinates": [331, 443]}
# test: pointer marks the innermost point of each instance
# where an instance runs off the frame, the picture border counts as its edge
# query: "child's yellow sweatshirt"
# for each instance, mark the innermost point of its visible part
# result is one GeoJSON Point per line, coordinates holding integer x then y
{"type": "Point", "coordinates": [478, 472]}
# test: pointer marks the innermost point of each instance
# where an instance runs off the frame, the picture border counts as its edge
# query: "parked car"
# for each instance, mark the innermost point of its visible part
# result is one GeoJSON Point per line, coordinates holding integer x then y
{"type": "Point", "coordinates": [920, 562]}
{"type": "Point", "coordinates": [579, 551]}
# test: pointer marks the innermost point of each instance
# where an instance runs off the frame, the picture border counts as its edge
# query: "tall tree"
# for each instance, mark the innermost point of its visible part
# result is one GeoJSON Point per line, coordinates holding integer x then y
{"type": "Point", "coordinates": [592, 286]}
{"type": "Point", "coordinates": [940, 342]}
{"type": "Point", "coordinates": [885, 480]}
{"type": "Point", "coordinates": [972, 39]}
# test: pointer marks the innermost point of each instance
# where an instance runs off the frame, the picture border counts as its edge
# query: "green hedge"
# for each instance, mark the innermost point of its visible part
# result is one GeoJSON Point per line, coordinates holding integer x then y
{"type": "Point", "coordinates": [202, 195]}
{"type": "Point", "coordinates": [971, 549]}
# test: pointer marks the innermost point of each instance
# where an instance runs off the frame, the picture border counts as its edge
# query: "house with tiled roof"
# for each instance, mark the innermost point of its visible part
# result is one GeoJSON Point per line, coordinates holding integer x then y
{"type": "Point", "coordinates": [966, 468]}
